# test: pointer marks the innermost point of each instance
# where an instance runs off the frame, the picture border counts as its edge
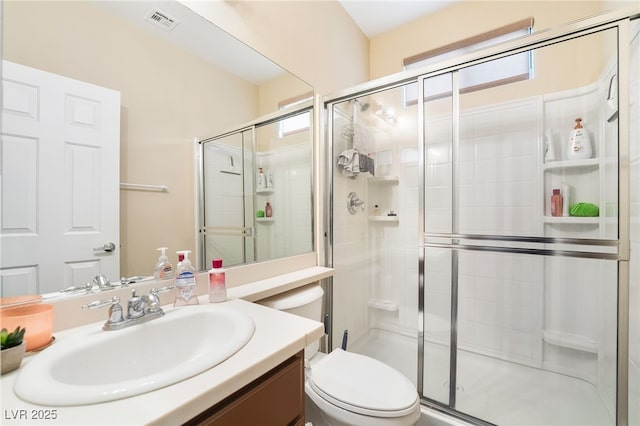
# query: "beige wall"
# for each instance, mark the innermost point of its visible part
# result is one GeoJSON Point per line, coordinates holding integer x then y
{"type": "Point", "coordinates": [315, 40]}
{"type": "Point", "coordinates": [461, 21]}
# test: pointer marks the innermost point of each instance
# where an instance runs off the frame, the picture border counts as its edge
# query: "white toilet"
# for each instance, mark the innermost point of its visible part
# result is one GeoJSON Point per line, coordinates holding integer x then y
{"type": "Point", "coordinates": [344, 388]}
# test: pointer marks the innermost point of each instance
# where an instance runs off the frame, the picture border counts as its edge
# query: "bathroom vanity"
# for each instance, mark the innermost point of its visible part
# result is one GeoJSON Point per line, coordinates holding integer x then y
{"type": "Point", "coordinates": [270, 363]}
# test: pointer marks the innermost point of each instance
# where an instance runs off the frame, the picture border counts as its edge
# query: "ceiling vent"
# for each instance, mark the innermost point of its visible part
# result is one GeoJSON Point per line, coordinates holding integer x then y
{"type": "Point", "coordinates": [162, 19]}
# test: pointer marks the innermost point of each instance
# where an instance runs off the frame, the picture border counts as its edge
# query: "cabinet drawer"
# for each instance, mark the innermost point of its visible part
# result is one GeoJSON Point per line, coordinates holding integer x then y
{"type": "Point", "coordinates": [275, 399]}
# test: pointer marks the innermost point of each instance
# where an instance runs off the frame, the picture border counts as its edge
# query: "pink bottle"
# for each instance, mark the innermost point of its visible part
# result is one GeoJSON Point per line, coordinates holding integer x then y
{"type": "Point", "coordinates": [556, 203]}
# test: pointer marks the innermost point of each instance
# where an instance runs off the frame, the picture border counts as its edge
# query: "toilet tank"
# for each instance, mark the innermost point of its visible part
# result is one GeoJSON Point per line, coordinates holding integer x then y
{"type": "Point", "coordinates": [303, 301]}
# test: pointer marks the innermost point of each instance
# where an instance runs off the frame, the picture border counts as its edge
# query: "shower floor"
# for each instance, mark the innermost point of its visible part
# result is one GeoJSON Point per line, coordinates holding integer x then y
{"type": "Point", "coordinates": [497, 391]}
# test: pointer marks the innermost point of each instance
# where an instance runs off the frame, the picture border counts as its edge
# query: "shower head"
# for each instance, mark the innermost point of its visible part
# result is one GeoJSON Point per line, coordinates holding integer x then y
{"type": "Point", "coordinates": [363, 106]}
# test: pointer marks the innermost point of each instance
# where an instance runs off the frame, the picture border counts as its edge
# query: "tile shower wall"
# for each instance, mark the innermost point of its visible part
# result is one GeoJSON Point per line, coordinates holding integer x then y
{"type": "Point", "coordinates": [393, 245]}
{"type": "Point", "coordinates": [500, 297]}
{"type": "Point", "coordinates": [290, 232]}
{"type": "Point", "coordinates": [350, 236]}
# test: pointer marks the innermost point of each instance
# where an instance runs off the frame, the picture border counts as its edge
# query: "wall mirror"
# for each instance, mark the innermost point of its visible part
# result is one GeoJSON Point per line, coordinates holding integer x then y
{"type": "Point", "coordinates": [179, 77]}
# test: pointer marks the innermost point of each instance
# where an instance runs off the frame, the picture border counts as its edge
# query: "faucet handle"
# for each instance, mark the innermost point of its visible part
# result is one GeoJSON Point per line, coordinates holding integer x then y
{"type": "Point", "coordinates": [101, 303]}
{"type": "Point", "coordinates": [154, 291]}
{"type": "Point", "coordinates": [152, 298]}
{"type": "Point", "coordinates": [115, 310]}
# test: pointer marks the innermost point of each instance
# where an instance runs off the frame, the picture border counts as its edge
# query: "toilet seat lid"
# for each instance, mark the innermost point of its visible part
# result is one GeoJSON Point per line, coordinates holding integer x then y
{"type": "Point", "coordinates": [362, 385]}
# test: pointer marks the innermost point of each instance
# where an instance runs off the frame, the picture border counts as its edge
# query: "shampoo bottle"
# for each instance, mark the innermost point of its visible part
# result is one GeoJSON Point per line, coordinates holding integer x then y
{"type": "Point", "coordinates": [164, 269]}
{"type": "Point", "coordinates": [185, 281]}
{"type": "Point", "coordinates": [579, 143]}
{"type": "Point", "coordinates": [268, 210]}
{"type": "Point", "coordinates": [556, 203]}
{"type": "Point", "coordinates": [217, 284]}
{"type": "Point", "coordinates": [549, 151]}
{"type": "Point", "coordinates": [260, 180]}
{"type": "Point", "coordinates": [269, 180]}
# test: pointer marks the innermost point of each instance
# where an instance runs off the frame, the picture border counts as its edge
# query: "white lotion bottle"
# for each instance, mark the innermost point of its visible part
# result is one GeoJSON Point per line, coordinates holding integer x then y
{"type": "Point", "coordinates": [217, 283]}
{"type": "Point", "coordinates": [579, 143]}
{"type": "Point", "coordinates": [260, 179]}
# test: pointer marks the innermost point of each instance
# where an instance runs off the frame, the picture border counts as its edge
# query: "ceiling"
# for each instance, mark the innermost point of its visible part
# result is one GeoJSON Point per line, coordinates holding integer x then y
{"type": "Point", "coordinates": [375, 17]}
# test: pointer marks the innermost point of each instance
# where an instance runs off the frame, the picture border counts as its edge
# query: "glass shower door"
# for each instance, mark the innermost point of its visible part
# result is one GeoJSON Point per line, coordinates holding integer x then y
{"type": "Point", "coordinates": [227, 181]}
{"type": "Point", "coordinates": [521, 303]}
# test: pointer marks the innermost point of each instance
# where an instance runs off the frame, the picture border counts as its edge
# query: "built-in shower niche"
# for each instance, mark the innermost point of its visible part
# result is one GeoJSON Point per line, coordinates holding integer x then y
{"type": "Point", "coordinates": [383, 193]}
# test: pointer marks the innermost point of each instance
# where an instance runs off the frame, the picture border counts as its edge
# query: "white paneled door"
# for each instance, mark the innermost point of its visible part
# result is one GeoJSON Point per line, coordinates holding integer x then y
{"type": "Point", "coordinates": [59, 181]}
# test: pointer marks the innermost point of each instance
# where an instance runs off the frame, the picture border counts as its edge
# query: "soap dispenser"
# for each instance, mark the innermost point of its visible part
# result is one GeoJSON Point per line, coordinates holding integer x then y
{"type": "Point", "coordinates": [185, 281]}
{"type": "Point", "coordinates": [579, 143]}
{"type": "Point", "coordinates": [164, 269]}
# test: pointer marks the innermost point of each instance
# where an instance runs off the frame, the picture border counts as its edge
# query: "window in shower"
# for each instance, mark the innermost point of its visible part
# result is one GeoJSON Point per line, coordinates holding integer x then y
{"type": "Point", "coordinates": [493, 73]}
{"type": "Point", "coordinates": [529, 335]}
{"type": "Point", "coordinates": [296, 123]}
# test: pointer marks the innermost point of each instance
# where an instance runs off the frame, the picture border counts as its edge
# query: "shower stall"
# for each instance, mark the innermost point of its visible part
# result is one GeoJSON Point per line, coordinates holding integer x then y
{"type": "Point", "coordinates": [449, 264]}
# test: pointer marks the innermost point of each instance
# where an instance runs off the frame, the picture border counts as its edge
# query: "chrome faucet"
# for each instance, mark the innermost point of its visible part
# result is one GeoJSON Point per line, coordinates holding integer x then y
{"type": "Point", "coordinates": [139, 309]}
{"type": "Point", "coordinates": [99, 283]}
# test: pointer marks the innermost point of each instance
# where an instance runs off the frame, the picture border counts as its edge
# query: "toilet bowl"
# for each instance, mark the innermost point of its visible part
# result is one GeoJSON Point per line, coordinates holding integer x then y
{"type": "Point", "coordinates": [345, 388]}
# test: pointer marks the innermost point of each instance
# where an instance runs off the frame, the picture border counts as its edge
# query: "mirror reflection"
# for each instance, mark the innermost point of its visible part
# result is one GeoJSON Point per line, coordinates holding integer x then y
{"type": "Point", "coordinates": [256, 192]}
{"type": "Point", "coordinates": [169, 86]}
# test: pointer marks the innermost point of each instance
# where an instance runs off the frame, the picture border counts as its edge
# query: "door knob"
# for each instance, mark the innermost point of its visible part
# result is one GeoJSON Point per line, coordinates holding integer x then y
{"type": "Point", "coordinates": [107, 247]}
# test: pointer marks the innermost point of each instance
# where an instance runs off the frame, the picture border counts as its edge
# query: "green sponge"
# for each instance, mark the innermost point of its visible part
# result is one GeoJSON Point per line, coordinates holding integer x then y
{"type": "Point", "coordinates": [584, 210]}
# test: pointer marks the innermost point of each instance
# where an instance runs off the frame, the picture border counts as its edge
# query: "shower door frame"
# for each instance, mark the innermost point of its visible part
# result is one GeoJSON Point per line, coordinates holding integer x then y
{"type": "Point", "coordinates": [620, 20]}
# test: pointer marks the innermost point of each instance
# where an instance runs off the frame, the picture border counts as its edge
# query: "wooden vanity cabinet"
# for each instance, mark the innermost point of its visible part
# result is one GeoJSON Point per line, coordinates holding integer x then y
{"type": "Point", "coordinates": [274, 399]}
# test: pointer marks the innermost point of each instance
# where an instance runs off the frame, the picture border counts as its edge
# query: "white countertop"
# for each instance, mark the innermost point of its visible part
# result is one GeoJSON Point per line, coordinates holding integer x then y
{"type": "Point", "coordinates": [277, 337]}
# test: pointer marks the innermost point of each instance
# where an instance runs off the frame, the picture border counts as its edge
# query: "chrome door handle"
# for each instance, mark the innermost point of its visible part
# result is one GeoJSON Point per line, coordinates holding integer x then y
{"type": "Point", "coordinates": [107, 247]}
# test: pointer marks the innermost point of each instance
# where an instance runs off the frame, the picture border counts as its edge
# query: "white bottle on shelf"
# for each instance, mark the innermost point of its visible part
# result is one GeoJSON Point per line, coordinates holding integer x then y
{"type": "Point", "coordinates": [269, 179]}
{"type": "Point", "coordinates": [549, 150]}
{"type": "Point", "coordinates": [579, 143]}
{"type": "Point", "coordinates": [260, 180]}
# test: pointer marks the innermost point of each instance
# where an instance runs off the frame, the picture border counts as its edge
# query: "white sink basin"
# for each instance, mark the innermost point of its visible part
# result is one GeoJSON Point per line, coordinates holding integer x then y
{"type": "Point", "coordinates": [98, 366]}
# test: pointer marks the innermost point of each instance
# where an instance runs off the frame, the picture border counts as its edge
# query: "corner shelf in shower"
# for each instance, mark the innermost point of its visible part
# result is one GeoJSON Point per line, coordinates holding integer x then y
{"type": "Point", "coordinates": [571, 341]}
{"type": "Point", "coordinates": [385, 305]}
{"type": "Point", "coordinates": [264, 191]}
{"type": "Point", "coordinates": [383, 218]}
{"type": "Point", "coordinates": [385, 179]}
{"type": "Point", "coordinates": [572, 164]}
{"type": "Point", "coordinates": [576, 220]}
{"type": "Point", "coordinates": [265, 219]}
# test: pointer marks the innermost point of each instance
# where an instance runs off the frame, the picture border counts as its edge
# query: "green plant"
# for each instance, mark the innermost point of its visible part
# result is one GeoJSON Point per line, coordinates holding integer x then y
{"type": "Point", "coordinates": [9, 340]}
